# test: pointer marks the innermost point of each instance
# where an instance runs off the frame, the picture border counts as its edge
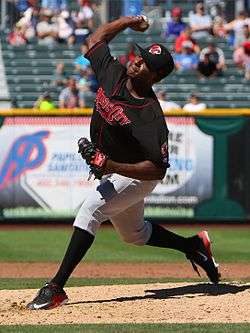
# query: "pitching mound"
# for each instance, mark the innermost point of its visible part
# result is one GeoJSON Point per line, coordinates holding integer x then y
{"type": "Point", "coordinates": [142, 303]}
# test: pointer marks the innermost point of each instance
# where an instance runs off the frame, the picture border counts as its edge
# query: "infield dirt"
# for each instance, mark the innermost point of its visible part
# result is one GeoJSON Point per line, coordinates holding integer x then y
{"type": "Point", "coordinates": [141, 303]}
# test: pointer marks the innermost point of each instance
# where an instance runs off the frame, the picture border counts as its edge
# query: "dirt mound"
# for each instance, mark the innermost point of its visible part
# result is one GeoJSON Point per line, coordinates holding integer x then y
{"type": "Point", "coordinates": [141, 303]}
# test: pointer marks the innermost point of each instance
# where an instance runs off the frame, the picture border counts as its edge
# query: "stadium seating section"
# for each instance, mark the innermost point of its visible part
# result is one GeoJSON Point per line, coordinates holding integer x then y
{"type": "Point", "coordinates": [30, 68]}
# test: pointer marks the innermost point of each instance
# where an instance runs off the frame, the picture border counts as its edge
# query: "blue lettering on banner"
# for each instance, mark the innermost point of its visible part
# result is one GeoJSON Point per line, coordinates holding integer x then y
{"type": "Point", "coordinates": [67, 162]}
{"type": "Point", "coordinates": [26, 153]}
{"type": "Point", "coordinates": [68, 167]}
{"type": "Point", "coordinates": [65, 157]}
{"type": "Point", "coordinates": [179, 164]}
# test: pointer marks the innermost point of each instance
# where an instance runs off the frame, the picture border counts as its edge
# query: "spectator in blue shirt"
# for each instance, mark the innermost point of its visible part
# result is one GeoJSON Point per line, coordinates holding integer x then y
{"type": "Point", "coordinates": [82, 63]}
{"type": "Point", "coordinates": [187, 59]}
{"type": "Point", "coordinates": [81, 32]}
{"type": "Point", "coordinates": [176, 25]}
{"type": "Point", "coordinates": [55, 5]}
{"type": "Point", "coordinates": [22, 5]}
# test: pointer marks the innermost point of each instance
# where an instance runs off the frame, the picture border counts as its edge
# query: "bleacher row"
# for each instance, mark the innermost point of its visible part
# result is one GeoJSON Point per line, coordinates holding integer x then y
{"type": "Point", "coordinates": [30, 68]}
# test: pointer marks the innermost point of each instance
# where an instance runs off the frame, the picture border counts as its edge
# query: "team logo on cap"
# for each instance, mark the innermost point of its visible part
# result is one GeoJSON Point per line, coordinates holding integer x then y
{"type": "Point", "coordinates": [155, 49]}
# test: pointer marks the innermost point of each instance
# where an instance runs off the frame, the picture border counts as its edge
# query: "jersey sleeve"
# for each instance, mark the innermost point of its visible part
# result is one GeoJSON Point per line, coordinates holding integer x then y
{"type": "Point", "coordinates": [153, 141]}
{"type": "Point", "coordinates": [108, 70]}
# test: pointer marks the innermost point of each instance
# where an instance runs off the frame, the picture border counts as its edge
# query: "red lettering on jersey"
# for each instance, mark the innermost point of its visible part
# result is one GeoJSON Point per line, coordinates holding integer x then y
{"type": "Point", "coordinates": [111, 112]}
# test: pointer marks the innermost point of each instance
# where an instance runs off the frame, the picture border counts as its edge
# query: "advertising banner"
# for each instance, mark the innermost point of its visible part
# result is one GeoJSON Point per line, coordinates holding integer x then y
{"type": "Point", "coordinates": [42, 174]}
{"type": "Point", "coordinates": [189, 179]}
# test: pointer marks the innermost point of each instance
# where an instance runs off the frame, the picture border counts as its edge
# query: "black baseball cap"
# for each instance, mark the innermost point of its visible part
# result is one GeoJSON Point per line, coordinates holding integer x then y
{"type": "Point", "coordinates": [157, 58]}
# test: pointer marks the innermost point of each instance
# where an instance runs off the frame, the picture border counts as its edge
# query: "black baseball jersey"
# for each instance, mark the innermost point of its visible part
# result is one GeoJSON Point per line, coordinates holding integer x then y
{"type": "Point", "coordinates": [127, 129]}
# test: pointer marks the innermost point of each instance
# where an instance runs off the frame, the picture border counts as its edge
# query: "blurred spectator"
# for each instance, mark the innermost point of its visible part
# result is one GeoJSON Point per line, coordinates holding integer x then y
{"type": "Point", "coordinates": [206, 67]}
{"type": "Point", "coordinates": [17, 36]}
{"type": "Point", "coordinates": [244, 37]}
{"type": "Point", "coordinates": [237, 26]}
{"type": "Point", "coordinates": [92, 80]}
{"type": "Point", "coordinates": [215, 7]}
{"type": "Point", "coordinates": [247, 71]}
{"type": "Point", "coordinates": [219, 29]}
{"type": "Point", "coordinates": [85, 8]}
{"type": "Point", "coordinates": [23, 5]}
{"type": "Point", "coordinates": [55, 5]}
{"type": "Point", "coordinates": [80, 62]}
{"type": "Point", "coordinates": [242, 54]}
{"type": "Point", "coordinates": [47, 31]}
{"type": "Point", "coordinates": [59, 77]}
{"type": "Point", "coordinates": [34, 18]}
{"type": "Point", "coordinates": [28, 22]}
{"type": "Point", "coordinates": [241, 58]}
{"type": "Point", "coordinates": [216, 55]}
{"type": "Point", "coordinates": [164, 103]}
{"type": "Point", "coordinates": [69, 96]}
{"type": "Point", "coordinates": [65, 28]}
{"type": "Point", "coordinates": [34, 3]}
{"type": "Point", "coordinates": [96, 18]}
{"type": "Point", "coordinates": [44, 102]}
{"type": "Point", "coordinates": [194, 104]}
{"type": "Point", "coordinates": [200, 23]}
{"type": "Point", "coordinates": [86, 13]}
{"type": "Point", "coordinates": [187, 59]}
{"type": "Point", "coordinates": [83, 86]}
{"type": "Point", "coordinates": [81, 32]}
{"type": "Point", "coordinates": [175, 26]}
{"type": "Point", "coordinates": [12, 13]}
{"type": "Point", "coordinates": [186, 36]}
{"type": "Point", "coordinates": [129, 56]}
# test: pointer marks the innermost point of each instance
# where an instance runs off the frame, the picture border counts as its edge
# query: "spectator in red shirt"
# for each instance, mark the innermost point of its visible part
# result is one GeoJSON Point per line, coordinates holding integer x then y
{"type": "Point", "coordinates": [241, 58]}
{"type": "Point", "coordinates": [186, 36]}
{"type": "Point", "coordinates": [17, 36]}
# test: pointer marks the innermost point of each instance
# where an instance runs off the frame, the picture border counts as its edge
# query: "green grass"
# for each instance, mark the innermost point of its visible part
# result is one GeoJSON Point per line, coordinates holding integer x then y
{"type": "Point", "coordinates": [47, 244]}
{"type": "Point", "coordinates": [35, 283]}
{"type": "Point", "coordinates": [130, 328]}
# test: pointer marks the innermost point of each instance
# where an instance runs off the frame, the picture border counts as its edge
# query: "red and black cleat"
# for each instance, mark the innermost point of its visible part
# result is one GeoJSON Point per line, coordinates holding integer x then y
{"type": "Point", "coordinates": [48, 297]}
{"type": "Point", "coordinates": [202, 256]}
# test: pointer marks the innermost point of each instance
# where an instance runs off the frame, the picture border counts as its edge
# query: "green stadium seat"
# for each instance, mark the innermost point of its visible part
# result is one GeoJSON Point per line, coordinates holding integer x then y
{"type": "Point", "coordinates": [29, 69]}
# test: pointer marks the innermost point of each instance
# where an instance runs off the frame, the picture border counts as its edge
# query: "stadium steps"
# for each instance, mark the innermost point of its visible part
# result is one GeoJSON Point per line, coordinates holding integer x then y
{"type": "Point", "coordinates": [30, 69]}
{"type": "Point", "coordinates": [4, 91]}
{"type": "Point", "coordinates": [30, 90]}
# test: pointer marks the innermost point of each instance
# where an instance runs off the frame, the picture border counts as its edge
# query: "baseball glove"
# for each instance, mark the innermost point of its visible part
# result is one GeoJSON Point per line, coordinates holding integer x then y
{"type": "Point", "coordinates": [93, 157]}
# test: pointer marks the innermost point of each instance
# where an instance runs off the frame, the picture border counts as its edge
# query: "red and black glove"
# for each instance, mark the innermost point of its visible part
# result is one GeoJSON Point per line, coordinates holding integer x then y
{"type": "Point", "coordinates": [93, 157]}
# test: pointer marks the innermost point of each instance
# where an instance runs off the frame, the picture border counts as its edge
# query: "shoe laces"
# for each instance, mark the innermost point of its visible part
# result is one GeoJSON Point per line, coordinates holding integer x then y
{"type": "Point", "coordinates": [43, 293]}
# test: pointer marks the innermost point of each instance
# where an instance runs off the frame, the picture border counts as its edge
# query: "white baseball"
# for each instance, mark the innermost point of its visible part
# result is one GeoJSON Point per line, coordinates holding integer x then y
{"type": "Point", "coordinates": [145, 23]}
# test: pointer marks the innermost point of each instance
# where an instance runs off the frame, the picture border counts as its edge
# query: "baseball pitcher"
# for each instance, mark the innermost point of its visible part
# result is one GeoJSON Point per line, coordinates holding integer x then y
{"type": "Point", "coordinates": [128, 155]}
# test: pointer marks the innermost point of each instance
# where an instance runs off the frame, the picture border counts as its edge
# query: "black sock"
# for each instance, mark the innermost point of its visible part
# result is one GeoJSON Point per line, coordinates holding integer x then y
{"type": "Point", "coordinates": [162, 237]}
{"type": "Point", "coordinates": [80, 242]}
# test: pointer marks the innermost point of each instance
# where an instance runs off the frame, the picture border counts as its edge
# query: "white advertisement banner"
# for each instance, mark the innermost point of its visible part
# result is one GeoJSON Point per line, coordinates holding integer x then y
{"type": "Point", "coordinates": [42, 174]}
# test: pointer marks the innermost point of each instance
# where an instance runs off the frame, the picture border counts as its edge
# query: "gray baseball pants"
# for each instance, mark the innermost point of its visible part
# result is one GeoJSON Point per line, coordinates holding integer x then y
{"type": "Point", "coordinates": [121, 200]}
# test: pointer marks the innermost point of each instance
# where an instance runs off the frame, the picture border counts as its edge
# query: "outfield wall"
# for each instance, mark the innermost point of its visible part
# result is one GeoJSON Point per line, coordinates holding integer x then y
{"type": "Point", "coordinates": [43, 176]}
